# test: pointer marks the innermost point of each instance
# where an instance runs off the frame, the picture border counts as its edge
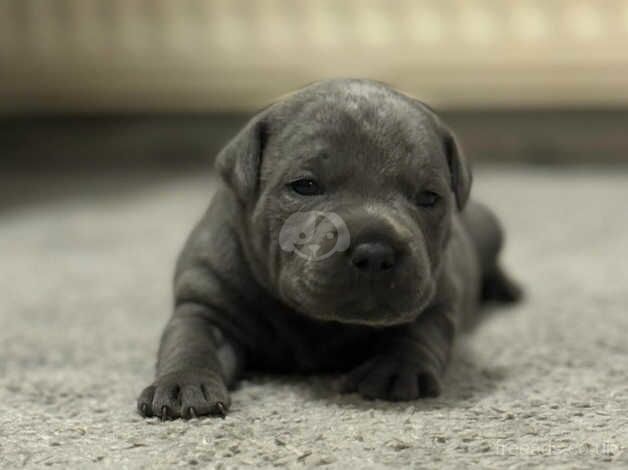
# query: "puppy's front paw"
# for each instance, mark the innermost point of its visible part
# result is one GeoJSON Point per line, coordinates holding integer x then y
{"type": "Point", "coordinates": [392, 378]}
{"type": "Point", "coordinates": [185, 394]}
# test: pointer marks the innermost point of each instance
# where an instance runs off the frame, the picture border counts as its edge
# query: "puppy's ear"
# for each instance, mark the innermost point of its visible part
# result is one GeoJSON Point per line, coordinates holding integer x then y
{"type": "Point", "coordinates": [461, 177]}
{"type": "Point", "coordinates": [240, 160]}
{"type": "Point", "coordinates": [459, 167]}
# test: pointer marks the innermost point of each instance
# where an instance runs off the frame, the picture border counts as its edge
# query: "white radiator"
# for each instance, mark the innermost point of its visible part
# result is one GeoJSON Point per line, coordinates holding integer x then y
{"type": "Point", "coordinates": [103, 55]}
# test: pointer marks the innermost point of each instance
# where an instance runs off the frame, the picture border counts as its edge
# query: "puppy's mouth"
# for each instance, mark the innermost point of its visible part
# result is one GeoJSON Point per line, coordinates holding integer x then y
{"type": "Point", "coordinates": [377, 317]}
{"type": "Point", "coordinates": [396, 305]}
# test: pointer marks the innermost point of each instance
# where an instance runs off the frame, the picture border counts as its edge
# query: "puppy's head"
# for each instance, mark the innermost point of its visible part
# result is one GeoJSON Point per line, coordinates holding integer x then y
{"type": "Point", "coordinates": [347, 190]}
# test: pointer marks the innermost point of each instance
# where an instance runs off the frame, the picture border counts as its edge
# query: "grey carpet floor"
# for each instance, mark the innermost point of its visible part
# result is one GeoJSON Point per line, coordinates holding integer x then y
{"type": "Point", "coordinates": [85, 292]}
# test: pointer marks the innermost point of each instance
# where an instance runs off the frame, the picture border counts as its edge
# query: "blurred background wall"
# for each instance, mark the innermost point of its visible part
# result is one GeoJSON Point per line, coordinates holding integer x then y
{"type": "Point", "coordinates": [131, 81]}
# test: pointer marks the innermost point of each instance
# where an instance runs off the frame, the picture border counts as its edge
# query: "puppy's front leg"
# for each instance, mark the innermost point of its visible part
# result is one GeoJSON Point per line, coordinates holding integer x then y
{"type": "Point", "coordinates": [194, 367]}
{"type": "Point", "coordinates": [409, 360]}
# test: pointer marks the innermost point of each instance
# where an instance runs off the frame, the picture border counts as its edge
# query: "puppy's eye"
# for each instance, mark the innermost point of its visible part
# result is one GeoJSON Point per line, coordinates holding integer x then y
{"type": "Point", "coordinates": [427, 199]}
{"type": "Point", "coordinates": [306, 187]}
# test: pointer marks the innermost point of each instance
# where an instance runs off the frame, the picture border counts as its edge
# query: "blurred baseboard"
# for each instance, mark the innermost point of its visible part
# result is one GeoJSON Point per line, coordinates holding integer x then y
{"type": "Point", "coordinates": [192, 140]}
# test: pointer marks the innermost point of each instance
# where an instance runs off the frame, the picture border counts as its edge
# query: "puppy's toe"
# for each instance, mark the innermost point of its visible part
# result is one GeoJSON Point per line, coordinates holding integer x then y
{"type": "Point", "coordinates": [349, 383]}
{"type": "Point", "coordinates": [145, 402]}
{"type": "Point", "coordinates": [204, 399]}
{"type": "Point", "coordinates": [193, 402]}
{"type": "Point", "coordinates": [429, 384]}
{"type": "Point", "coordinates": [166, 401]}
{"type": "Point", "coordinates": [375, 385]}
{"type": "Point", "coordinates": [404, 387]}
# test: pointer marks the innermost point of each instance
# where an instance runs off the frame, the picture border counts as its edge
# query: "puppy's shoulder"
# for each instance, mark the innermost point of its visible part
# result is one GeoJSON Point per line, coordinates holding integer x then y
{"type": "Point", "coordinates": [212, 264]}
{"type": "Point", "coordinates": [213, 236]}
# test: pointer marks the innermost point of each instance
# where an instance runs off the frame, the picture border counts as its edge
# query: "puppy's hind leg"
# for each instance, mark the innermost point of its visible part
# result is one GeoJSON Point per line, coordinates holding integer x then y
{"type": "Point", "coordinates": [488, 238]}
{"type": "Point", "coordinates": [497, 286]}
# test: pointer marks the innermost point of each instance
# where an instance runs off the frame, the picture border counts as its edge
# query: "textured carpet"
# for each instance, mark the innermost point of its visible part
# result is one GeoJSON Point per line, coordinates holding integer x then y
{"type": "Point", "coordinates": [85, 292]}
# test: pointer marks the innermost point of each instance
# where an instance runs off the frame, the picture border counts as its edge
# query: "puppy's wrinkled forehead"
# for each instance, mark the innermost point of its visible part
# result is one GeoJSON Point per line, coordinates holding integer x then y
{"type": "Point", "coordinates": [360, 126]}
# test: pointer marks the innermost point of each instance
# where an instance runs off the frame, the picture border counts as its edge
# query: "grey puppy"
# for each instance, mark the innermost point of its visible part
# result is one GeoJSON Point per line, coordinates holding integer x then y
{"type": "Point", "coordinates": [342, 239]}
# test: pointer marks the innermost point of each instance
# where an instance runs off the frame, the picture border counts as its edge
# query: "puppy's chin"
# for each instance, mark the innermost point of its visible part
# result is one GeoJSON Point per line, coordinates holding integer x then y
{"type": "Point", "coordinates": [396, 307]}
{"type": "Point", "coordinates": [378, 317]}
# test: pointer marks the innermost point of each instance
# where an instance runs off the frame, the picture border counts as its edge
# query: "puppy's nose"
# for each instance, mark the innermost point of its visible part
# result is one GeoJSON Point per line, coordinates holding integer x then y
{"type": "Point", "coordinates": [373, 257]}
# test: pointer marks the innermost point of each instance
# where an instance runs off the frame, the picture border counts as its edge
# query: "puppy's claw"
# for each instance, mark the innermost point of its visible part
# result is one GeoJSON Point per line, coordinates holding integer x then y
{"type": "Point", "coordinates": [220, 408]}
{"type": "Point", "coordinates": [164, 413]}
{"type": "Point", "coordinates": [193, 414]}
{"type": "Point", "coordinates": [144, 409]}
